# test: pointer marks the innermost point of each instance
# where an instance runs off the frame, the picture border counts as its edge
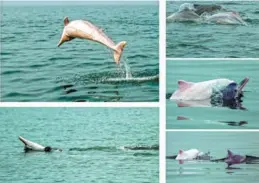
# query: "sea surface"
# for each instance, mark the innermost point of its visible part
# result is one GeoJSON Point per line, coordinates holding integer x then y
{"type": "Point", "coordinates": [217, 143]}
{"type": "Point", "coordinates": [33, 68]}
{"type": "Point", "coordinates": [194, 40]}
{"type": "Point", "coordinates": [213, 117]}
{"type": "Point", "coordinates": [94, 143]}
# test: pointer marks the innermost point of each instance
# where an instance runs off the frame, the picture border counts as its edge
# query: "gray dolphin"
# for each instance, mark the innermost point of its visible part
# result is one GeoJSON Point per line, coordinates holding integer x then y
{"type": "Point", "coordinates": [230, 18]}
{"type": "Point", "coordinates": [185, 13]}
{"type": "Point", "coordinates": [200, 9]}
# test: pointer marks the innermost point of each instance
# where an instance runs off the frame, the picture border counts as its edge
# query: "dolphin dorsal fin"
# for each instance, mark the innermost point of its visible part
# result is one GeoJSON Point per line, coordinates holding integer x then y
{"type": "Point", "coordinates": [180, 151]}
{"type": "Point", "coordinates": [230, 154]}
{"type": "Point", "coordinates": [182, 85]}
{"type": "Point", "coordinates": [66, 21]}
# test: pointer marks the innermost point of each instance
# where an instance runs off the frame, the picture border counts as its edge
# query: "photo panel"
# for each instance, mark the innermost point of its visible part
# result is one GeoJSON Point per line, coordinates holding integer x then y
{"type": "Point", "coordinates": [83, 51]}
{"type": "Point", "coordinates": [212, 29]}
{"type": "Point", "coordinates": [79, 144]}
{"type": "Point", "coordinates": [211, 156]}
{"type": "Point", "coordinates": [212, 94]}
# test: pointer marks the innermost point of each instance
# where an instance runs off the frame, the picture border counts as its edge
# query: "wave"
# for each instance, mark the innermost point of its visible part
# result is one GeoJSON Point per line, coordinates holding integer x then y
{"type": "Point", "coordinates": [131, 80]}
{"type": "Point", "coordinates": [95, 148]}
{"type": "Point", "coordinates": [122, 148]}
{"type": "Point", "coordinates": [141, 147]}
{"type": "Point", "coordinates": [145, 154]}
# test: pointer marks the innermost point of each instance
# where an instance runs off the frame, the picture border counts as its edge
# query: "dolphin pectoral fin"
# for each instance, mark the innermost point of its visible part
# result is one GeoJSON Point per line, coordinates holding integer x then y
{"type": "Point", "coordinates": [63, 39]}
{"type": "Point", "coordinates": [118, 51]}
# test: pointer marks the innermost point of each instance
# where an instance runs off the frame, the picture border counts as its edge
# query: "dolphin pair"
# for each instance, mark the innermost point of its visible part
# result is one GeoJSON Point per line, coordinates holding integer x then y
{"type": "Point", "coordinates": [32, 146]}
{"type": "Point", "coordinates": [231, 159]}
{"type": "Point", "coordinates": [86, 30]}
{"type": "Point", "coordinates": [204, 14]}
{"type": "Point", "coordinates": [208, 92]}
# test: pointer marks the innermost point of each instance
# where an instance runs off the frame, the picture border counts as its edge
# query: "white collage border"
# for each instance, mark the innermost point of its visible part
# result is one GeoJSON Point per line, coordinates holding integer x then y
{"type": "Point", "coordinates": [162, 91]}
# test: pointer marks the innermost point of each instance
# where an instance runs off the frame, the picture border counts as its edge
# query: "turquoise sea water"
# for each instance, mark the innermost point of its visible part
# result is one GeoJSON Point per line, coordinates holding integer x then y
{"type": "Point", "coordinates": [33, 68]}
{"type": "Point", "coordinates": [217, 143]}
{"type": "Point", "coordinates": [213, 117]}
{"type": "Point", "coordinates": [93, 142]}
{"type": "Point", "coordinates": [192, 40]}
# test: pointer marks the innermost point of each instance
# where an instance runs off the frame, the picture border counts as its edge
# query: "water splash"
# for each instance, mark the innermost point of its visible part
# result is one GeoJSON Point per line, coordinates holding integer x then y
{"type": "Point", "coordinates": [127, 69]}
{"type": "Point", "coordinates": [123, 65]}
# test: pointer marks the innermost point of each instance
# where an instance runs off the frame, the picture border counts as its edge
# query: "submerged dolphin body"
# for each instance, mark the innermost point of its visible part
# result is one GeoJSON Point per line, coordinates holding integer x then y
{"type": "Point", "coordinates": [86, 30]}
{"type": "Point", "coordinates": [32, 146]}
{"type": "Point", "coordinates": [200, 9]}
{"type": "Point", "coordinates": [230, 18]}
{"type": "Point", "coordinates": [207, 93]}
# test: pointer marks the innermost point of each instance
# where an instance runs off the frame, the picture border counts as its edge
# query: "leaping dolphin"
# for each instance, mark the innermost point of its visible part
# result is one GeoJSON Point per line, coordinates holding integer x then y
{"type": "Point", "coordinates": [32, 146]}
{"type": "Point", "coordinates": [86, 30]}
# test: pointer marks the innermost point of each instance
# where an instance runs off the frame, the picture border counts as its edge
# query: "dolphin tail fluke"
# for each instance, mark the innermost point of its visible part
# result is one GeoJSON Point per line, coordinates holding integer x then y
{"type": "Point", "coordinates": [118, 51]}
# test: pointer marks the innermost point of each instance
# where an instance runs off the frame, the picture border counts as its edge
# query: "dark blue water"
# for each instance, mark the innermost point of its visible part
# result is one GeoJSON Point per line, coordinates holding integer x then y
{"type": "Point", "coordinates": [33, 68]}
{"type": "Point", "coordinates": [93, 140]}
{"type": "Point", "coordinates": [192, 40]}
